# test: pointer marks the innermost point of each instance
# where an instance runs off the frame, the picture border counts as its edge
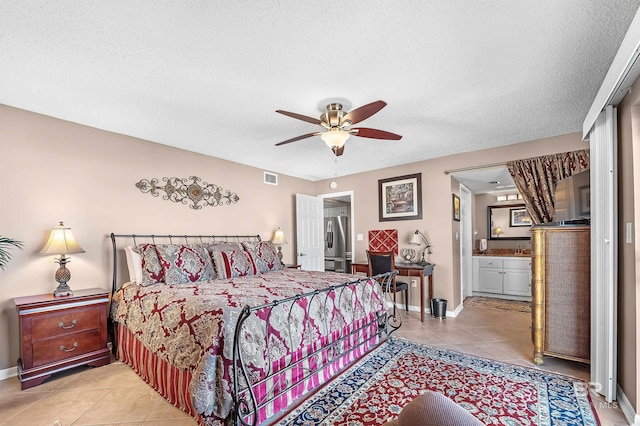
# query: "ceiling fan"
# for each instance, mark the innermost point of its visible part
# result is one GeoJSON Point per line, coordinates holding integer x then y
{"type": "Point", "coordinates": [337, 124]}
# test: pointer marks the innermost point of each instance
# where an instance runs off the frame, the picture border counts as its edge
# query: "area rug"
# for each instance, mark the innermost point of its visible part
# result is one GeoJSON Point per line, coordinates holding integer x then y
{"type": "Point", "coordinates": [501, 304]}
{"type": "Point", "coordinates": [375, 389]}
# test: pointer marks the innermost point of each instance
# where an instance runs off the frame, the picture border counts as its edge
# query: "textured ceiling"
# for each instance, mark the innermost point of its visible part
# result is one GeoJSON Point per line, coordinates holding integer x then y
{"type": "Point", "coordinates": [487, 179]}
{"type": "Point", "coordinates": [207, 76]}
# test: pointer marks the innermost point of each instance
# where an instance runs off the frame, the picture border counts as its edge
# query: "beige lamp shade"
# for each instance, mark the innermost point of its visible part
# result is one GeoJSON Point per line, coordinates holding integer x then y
{"type": "Point", "coordinates": [278, 237]}
{"type": "Point", "coordinates": [415, 239]}
{"type": "Point", "coordinates": [61, 241]}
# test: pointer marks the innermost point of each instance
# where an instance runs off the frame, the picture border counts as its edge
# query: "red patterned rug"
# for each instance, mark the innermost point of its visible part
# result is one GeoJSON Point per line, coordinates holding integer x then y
{"type": "Point", "coordinates": [374, 390]}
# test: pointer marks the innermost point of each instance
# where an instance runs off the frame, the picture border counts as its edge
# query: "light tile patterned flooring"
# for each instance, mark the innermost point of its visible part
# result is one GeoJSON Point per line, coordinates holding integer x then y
{"type": "Point", "coordinates": [114, 395]}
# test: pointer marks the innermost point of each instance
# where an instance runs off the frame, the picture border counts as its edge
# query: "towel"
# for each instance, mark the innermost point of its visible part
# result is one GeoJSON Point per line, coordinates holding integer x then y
{"type": "Point", "coordinates": [483, 244]}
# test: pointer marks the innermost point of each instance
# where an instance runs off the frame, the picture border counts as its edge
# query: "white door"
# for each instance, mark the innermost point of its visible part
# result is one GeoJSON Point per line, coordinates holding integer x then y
{"type": "Point", "coordinates": [309, 241]}
{"type": "Point", "coordinates": [604, 255]}
{"type": "Point", "coordinates": [466, 242]}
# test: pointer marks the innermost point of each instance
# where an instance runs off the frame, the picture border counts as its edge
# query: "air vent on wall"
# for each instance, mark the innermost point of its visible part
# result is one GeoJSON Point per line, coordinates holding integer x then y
{"type": "Point", "coordinates": [270, 178]}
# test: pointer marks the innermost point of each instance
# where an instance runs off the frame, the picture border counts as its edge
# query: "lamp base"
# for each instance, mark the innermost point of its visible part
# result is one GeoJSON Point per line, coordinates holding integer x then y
{"type": "Point", "coordinates": [63, 290]}
{"type": "Point", "coordinates": [62, 276]}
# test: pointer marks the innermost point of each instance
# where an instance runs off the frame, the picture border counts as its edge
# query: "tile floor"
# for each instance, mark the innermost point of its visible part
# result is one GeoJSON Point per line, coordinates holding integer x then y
{"type": "Point", "coordinates": [114, 395]}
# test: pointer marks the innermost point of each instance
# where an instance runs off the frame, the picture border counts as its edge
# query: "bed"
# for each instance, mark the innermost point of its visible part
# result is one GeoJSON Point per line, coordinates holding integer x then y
{"type": "Point", "coordinates": [221, 329]}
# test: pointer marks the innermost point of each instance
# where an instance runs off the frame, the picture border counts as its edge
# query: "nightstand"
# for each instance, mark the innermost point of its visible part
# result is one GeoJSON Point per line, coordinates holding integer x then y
{"type": "Point", "coordinates": [61, 333]}
{"type": "Point", "coordinates": [292, 266]}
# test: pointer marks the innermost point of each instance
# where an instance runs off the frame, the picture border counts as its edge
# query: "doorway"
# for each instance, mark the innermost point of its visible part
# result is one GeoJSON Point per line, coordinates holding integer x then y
{"type": "Point", "coordinates": [338, 235]}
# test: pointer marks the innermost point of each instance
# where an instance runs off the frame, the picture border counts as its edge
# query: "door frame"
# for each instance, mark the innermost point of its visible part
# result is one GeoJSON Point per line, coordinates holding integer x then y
{"type": "Point", "coordinates": [352, 214]}
{"type": "Point", "coordinates": [466, 250]}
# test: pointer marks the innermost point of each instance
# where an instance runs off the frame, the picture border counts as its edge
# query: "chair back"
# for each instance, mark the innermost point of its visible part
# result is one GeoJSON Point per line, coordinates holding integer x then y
{"type": "Point", "coordinates": [380, 262]}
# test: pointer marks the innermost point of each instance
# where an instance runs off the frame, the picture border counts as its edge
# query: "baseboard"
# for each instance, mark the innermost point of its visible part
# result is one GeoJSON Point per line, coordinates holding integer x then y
{"type": "Point", "coordinates": [8, 372]}
{"type": "Point", "coordinates": [627, 409]}
{"type": "Point", "coordinates": [456, 312]}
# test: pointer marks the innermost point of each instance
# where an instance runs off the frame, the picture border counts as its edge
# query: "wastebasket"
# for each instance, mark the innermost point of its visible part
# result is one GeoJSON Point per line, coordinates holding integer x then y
{"type": "Point", "coordinates": [439, 308]}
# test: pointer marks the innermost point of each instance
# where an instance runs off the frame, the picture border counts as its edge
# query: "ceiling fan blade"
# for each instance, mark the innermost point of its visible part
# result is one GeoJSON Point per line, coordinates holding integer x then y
{"type": "Point", "coordinates": [300, 117]}
{"type": "Point", "coordinates": [297, 138]}
{"type": "Point", "coordinates": [364, 132]}
{"type": "Point", "coordinates": [364, 112]}
{"type": "Point", "coordinates": [338, 150]}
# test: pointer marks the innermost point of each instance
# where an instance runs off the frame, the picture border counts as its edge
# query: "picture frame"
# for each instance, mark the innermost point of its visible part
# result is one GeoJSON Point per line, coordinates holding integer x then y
{"type": "Point", "coordinates": [519, 217]}
{"type": "Point", "coordinates": [455, 202]}
{"type": "Point", "coordinates": [400, 198]}
{"type": "Point", "coordinates": [584, 203]}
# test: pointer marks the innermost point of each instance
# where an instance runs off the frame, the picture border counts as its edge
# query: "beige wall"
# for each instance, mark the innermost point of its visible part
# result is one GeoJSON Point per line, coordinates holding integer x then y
{"type": "Point", "coordinates": [54, 170]}
{"type": "Point", "coordinates": [628, 278]}
{"type": "Point", "coordinates": [436, 200]}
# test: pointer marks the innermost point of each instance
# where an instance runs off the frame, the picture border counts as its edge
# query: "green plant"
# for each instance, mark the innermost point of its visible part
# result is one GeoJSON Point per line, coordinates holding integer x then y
{"type": "Point", "coordinates": [5, 245]}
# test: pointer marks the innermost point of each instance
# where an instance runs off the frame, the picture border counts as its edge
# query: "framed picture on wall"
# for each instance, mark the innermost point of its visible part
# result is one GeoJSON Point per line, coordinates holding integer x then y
{"type": "Point", "coordinates": [400, 198]}
{"type": "Point", "coordinates": [584, 203]}
{"type": "Point", "coordinates": [519, 217]}
{"type": "Point", "coordinates": [456, 208]}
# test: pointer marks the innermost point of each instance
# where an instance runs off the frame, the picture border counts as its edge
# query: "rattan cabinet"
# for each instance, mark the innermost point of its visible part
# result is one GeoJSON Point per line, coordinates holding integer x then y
{"type": "Point", "coordinates": [561, 292]}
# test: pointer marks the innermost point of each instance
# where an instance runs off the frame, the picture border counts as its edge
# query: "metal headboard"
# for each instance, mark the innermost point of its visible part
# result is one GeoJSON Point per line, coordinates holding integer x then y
{"type": "Point", "coordinates": [179, 239]}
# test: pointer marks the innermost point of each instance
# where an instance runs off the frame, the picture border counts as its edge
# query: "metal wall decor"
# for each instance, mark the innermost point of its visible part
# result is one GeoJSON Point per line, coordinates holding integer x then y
{"type": "Point", "coordinates": [189, 190]}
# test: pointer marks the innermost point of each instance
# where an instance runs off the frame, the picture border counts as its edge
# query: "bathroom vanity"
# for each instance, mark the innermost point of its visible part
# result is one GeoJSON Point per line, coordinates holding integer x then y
{"type": "Point", "coordinates": [502, 276]}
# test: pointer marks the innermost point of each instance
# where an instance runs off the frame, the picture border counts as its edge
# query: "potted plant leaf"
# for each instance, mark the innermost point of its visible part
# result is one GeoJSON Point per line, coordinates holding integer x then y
{"type": "Point", "coordinates": [5, 245]}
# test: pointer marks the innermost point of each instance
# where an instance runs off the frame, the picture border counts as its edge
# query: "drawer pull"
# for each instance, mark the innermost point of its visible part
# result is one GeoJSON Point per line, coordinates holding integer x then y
{"type": "Point", "coordinates": [75, 345]}
{"type": "Point", "coordinates": [73, 323]}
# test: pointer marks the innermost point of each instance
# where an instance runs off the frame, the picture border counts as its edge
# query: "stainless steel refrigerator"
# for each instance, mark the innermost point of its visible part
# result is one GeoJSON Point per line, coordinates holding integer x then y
{"type": "Point", "coordinates": [335, 243]}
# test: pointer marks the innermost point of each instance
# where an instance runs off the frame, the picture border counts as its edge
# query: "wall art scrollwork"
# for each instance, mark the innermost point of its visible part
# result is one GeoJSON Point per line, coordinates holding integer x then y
{"type": "Point", "coordinates": [191, 190]}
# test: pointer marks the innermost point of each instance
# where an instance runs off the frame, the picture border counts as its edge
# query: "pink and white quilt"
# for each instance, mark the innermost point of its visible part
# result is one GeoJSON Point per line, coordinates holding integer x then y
{"type": "Point", "coordinates": [191, 327]}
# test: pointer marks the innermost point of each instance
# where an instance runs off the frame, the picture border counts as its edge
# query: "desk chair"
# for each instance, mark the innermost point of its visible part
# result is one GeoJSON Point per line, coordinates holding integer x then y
{"type": "Point", "coordinates": [381, 262]}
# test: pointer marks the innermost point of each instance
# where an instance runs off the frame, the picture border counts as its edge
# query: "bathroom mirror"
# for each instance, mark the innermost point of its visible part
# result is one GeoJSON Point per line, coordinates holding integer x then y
{"type": "Point", "coordinates": [508, 222]}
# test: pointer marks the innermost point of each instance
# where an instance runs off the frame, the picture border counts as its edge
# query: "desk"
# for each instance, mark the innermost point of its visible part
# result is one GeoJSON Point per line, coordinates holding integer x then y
{"type": "Point", "coordinates": [410, 270]}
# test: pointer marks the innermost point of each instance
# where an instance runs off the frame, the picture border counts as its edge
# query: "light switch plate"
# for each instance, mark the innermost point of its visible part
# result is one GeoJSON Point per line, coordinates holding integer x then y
{"type": "Point", "coordinates": [360, 237]}
{"type": "Point", "coordinates": [629, 233]}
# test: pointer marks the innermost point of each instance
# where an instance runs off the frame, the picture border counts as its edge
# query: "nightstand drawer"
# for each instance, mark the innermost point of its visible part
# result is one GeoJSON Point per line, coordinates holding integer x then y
{"type": "Point", "coordinates": [59, 348]}
{"type": "Point", "coordinates": [65, 322]}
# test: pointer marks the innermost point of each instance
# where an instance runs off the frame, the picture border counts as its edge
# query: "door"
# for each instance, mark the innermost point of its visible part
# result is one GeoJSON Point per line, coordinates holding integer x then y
{"type": "Point", "coordinates": [490, 280]}
{"type": "Point", "coordinates": [309, 232]}
{"type": "Point", "coordinates": [517, 282]}
{"type": "Point", "coordinates": [604, 255]}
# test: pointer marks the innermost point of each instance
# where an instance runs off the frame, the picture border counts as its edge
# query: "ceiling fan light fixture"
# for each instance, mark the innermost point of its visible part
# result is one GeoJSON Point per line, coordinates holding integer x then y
{"type": "Point", "coordinates": [335, 138]}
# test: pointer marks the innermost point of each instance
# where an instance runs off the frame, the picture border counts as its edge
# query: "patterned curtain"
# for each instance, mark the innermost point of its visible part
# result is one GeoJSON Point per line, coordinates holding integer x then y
{"type": "Point", "coordinates": [536, 179]}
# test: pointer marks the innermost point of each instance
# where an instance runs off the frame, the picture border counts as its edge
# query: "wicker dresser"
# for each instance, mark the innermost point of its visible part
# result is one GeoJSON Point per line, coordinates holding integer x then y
{"type": "Point", "coordinates": [561, 292]}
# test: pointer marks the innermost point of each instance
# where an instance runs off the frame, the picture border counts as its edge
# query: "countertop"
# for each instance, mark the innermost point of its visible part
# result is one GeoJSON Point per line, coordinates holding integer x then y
{"type": "Point", "coordinates": [503, 253]}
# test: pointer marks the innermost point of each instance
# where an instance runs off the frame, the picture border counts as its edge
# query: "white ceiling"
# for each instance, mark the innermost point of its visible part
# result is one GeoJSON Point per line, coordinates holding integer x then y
{"type": "Point", "coordinates": [487, 179]}
{"type": "Point", "coordinates": [207, 76]}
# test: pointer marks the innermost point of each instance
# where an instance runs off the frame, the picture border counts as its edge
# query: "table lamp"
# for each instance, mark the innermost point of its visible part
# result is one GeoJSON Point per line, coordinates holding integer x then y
{"type": "Point", "coordinates": [498, 231]}
{"type": "Point", "coordinates": [415, 240]}
{"type": "Point", "coordinates": [278, 240]}
{"type": "Point", "coordinates": [61, 242]}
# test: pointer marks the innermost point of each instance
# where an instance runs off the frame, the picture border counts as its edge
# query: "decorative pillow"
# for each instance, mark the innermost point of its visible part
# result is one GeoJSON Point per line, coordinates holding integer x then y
{"type": "Point", "coordinates": [204, 253]}
{"type": "Point", "coordinates": [134, 263]}
{"type": "Point", "coordinates": [152, 272]}
{"type": "Point", "coordinates": [265, 254]}
{"type": "Point", "coordinates": [184, 264]}
{"type": "Point", "coordinates": [235, 263]}
{"type": "Point", "coordinates": [222, 246]}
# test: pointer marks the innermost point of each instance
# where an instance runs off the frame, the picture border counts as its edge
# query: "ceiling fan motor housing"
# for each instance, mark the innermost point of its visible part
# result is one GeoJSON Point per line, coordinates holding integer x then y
{"type": "Point", "coordinates": [333, 117]}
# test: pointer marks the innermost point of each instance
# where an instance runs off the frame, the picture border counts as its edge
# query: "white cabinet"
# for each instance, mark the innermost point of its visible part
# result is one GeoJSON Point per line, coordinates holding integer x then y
{"type": "Point", "coordinates": [516, 277]}
{"type": "Point", "coordinates": [502, 276]}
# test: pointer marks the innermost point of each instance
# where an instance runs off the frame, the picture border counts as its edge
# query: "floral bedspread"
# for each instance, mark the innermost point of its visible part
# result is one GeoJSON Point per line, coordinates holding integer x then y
{"type": "Point", "coordinates": [192, 325]}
